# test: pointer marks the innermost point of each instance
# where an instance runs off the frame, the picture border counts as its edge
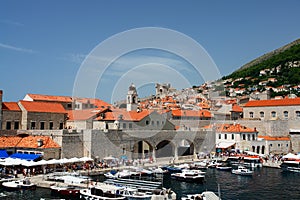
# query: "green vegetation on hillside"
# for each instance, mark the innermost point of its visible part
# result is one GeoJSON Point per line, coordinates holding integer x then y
{"type": "Point", "coordinates": [291, 54]}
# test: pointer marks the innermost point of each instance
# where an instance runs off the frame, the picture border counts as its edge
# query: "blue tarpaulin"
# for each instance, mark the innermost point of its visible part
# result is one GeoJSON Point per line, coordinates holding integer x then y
{"type": "Point", "coordinates": [24, 156]}
{"type": "Point", "coordinates": [3, 154]}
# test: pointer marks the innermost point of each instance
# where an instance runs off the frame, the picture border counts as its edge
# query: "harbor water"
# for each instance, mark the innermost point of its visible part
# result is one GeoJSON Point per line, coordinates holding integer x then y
{"type": "Point", "coordinates": [266, 183]}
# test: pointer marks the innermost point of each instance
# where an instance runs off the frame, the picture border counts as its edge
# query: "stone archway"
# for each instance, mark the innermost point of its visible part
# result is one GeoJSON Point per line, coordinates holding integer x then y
{"type": "Point", "coordinates": [165, 149]}
{"type": "Point", "coordinates": [142, 150]}
{"type": "Point", "coordinates": [185, 148]}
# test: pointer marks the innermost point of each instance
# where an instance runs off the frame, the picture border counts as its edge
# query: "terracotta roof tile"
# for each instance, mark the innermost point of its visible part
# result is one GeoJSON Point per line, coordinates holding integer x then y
{"type": "Point", "coordinates": [274, 138]}
{"type": "Point", "coordinates": [273, 102]}
{"type": "Point", "coordinates": [12, 106]}
{"type": "Point", "coordinates": [42, 97]}
{"type": "Point", "coordinates": [191, 113]}
{"type": "Point", "coordinates": [32, 106]}
{"type": "Point", "coordinates": [32, 142]}
{"type": "Point", "coordinates": [9, 141]}
{"type": "Point", "coordinates": [126, 115]}
{"type": "Point", "coordinates": [82, 114]}
{"type": "Point", "coordinates": [231, 128]}
{"type": "Point", "coordinates": [236, 108]}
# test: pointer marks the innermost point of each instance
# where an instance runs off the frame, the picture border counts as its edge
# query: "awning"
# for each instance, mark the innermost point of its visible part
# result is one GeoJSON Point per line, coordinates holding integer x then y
{"type": "Point", "coordinates": [3, 154]}
{"type": "Point", "coordinates": [224, 145]}
{"type": "Point", "coordinates": [24, 156]}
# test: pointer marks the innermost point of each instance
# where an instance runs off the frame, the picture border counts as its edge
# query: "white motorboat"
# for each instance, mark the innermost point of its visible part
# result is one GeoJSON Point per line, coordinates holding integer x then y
{"type": "Point", "coordinates": [241, 170]}
{"type": "Point", "coordinates": [102, 192]}
{"type": "Point", "coordinates": [207, 195]}
{"type": "Point", "coordinates": [290, 166]}
{"type": "Point", "coordinates": [23, 184]}
{"type": "Point", "coordinates": [189, 175]}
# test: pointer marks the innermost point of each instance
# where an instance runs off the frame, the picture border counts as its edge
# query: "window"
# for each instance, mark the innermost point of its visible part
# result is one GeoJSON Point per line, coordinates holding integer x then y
{"type": "Point", "coordinates": [16, 125]}
{"type": "Point", "coordinates": [152, 123]}
{"type": "Point", "coordinates": [244, 137]}
{"type": "Point", "coordinates": [271, 145]}
{"type": "Point", "coordinates": [262, 114]}
{"type": "Point", "coordinates": [298, 114]}
{"type": "Point", "coordinates": [248, 137]}
{"type": "Point", "coordinates": [147, 122]}
{"type": "Point", "coordinates": [220, 136]}
{"type": "Point", "coordinates": [251, 114]}
{"type": "Point", "coordinates": [225, 136]}
{"type": "Point", "coordinates": [130, 125]}
{"type": "Point", "coordinates": [124, 125]}
{"type": "Point", "coordinates": [157, 123]}
{"type": "Point", "coordinates": [51, 125]}
{"type": "Point", "coordinates": [61, 125]}
{"type": "Point", "coordinates": [42, 125]}
{"type": "Point", "coordinates": [8, 125]}
{"type": "Point", "coordinates": [278, 145]}
{"type": "Point", "coordinates": [232, 136]}
{"type": "Point", "coordinates": [286, 114]}
{"type": "Point", "coordinates": [32, 125]}
{"type": "Point", "coordinates": [253, 136]}
{"type": "Point", "coordinates": [273, 114]}
{"type": "Point", "coordinates": [287, 145]}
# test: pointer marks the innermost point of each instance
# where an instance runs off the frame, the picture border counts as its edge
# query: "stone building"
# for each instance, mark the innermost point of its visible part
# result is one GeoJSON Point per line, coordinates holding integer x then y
{"type": "Point", "coordinates": [11, 116]}
{"type": "Point", "coordinates": [132, 120]}
{"type": "Point", "coordinates": [42, 146]}
{"type": "Point", "coordinates": [42, 115]}
{"type": "Point", "coordinates": [275, 109]}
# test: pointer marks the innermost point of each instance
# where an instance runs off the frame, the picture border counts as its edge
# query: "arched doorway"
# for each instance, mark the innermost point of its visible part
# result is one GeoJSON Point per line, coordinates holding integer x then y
{"type": "Point", "coordinates": [164, 149]}
{"type": "Point", "coordinates": [185, 148]}
{"type": "Point", "coordinates": [142, 150]}
{"type": "Point", "coordinates": [253, 148]}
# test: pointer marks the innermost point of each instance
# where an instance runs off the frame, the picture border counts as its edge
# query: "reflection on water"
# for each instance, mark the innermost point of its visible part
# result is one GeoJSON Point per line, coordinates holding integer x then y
{"type": "Point", "coordinates": [266, 183]}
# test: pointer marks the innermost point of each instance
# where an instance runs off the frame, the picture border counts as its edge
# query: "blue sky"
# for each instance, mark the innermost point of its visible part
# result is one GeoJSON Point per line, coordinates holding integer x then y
{"type": "Point", "coordinates": [43, 43]}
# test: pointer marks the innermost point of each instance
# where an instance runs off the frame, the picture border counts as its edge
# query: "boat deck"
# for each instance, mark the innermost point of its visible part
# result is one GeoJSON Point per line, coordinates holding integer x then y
{"type": "Point", "coordinates": [136, 183]}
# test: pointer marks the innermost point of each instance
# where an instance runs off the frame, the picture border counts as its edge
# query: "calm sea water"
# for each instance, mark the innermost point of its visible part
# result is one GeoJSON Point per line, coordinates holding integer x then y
{"type": "Point", "coordinates": [267, 183]}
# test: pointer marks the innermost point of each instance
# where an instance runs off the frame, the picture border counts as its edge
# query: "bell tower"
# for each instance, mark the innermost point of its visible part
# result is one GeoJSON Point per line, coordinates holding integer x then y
{"type": "Point", "coordinates": [132, 98]}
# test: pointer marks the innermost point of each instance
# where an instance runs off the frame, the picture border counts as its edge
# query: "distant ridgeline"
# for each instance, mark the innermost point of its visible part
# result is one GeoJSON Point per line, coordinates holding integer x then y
{"type": "Point", "coordinates": [282, 56]}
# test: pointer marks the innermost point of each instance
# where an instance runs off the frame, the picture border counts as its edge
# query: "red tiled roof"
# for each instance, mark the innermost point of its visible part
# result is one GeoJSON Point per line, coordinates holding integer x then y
{"type": "Point", "coordinates": [32, 106]}
{"type": "Point", "coordinates": [9, 141]}
{"type": "Point", "coordinates": [82, 114]}
{"type": "Point", "coordinates": [231, 128]}
{"type": "Point", "coordinates": [42, 97]}
{"type": "Point", "coordinates": [274, 138]}
{"type": "Point", "coordinates": [236, 108]}
{"type": "Point", "coordinates": [32, 142]}
{"type": "Point", "coordinates": [273, 102]}
{"type": "Point", "coordinates": [12, 106]}
{"type": "Point", "coordinates": [191, 113]}
{"type": "Point", "coordinates": [126, 115]}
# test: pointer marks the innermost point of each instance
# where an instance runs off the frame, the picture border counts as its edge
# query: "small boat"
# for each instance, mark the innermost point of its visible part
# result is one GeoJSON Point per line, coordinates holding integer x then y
{"type": "Point", "coordinates": [120, 174]}
{"type": "Point", "coordinates": [102, 192]}
{"type": "Point", "coordinates": [134, 194]}
{"type": "Point", "coordinates": [290, 165]}
{"type": "Point", "coordinates": [189, 175]}
{"type": "Point", "coordinates": [68, 191]}
{"type": "Point", "coordinates": [23, 184]}
{"type": "Point", "coordinates": [224, 167]}
{"type": "Point", "coordinates": [241, 170]}
{"type": "Point", "coordinates": [207, 195]}
{"type": "Point", "coordinates": [171, 169]}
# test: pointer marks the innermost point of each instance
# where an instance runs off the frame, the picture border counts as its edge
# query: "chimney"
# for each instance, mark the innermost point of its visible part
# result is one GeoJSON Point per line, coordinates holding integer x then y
{"type": "Point", "coordinates": [40, 142]}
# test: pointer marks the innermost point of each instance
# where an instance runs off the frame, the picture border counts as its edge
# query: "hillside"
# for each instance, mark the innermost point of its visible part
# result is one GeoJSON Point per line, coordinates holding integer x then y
{"type": "Point", "coordinates": [279, 68]}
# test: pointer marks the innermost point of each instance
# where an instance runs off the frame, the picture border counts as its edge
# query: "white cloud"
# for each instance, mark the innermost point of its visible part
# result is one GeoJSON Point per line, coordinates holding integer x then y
{"type": "Point", "coordinates": [14, 48]}
{"type": "Point", "coordinates": [10, 22]}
